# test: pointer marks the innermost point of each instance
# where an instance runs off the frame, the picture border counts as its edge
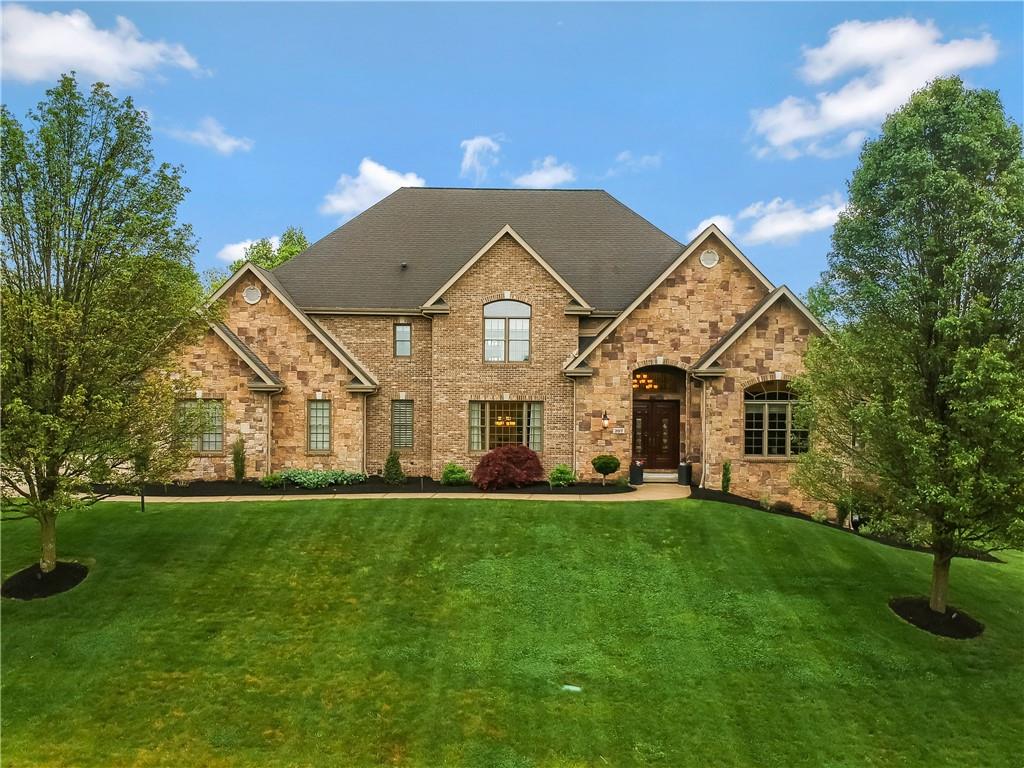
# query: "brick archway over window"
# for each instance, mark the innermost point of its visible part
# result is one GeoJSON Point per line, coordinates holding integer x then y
{"type": "Point", "coordinates": [656, 361]}
{"type": "Point", "coordinates": [505, 296]}
{"type": "Point", "coordinates": [774, 376]}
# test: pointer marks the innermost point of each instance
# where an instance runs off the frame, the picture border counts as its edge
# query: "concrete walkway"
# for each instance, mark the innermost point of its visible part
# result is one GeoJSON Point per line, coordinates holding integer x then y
{"type": "Point", "coordinates": [646, 492]}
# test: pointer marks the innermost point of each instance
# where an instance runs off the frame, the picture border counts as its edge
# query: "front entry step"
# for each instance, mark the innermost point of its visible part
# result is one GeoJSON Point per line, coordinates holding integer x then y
{"type": "Point", "coordinates": [661, 477]}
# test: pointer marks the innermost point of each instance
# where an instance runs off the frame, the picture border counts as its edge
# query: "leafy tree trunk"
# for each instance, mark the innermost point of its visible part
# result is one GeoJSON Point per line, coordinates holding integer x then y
{"type": "Point", "coordinates": [47, 542]}
{"type": "Point", "coordinates": [940, 580]}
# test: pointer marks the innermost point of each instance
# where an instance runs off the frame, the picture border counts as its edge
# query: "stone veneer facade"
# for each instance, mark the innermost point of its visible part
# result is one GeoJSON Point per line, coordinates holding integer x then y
{"type": "Point", "coordinates": [682, 318]}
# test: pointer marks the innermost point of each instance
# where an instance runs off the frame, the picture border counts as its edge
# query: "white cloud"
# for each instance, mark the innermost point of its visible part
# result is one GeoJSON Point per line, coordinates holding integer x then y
{"type": "Point", "coordinates": [235, 251]}
{"type": "Point", "coordinates": [776, 221]}
{"type": "Point", "coordinates": [627, 162]}
{"type": "Point", "coordinates": [725, 223]}
{"type": "Point", "coordinates": [42, 46]}
{"type": "Point", "coordinates": [784, 221]}
{"type": "Point", "coordinates": [886, 61]}
{"type": "Point", "coordinates": [354, 194]}
{"type": "Point", "coordinates": [479, 154]}
{"type": "Point", "coordinates": [546, 173]}
{"type": "Point", "coordinates": [211, 133]}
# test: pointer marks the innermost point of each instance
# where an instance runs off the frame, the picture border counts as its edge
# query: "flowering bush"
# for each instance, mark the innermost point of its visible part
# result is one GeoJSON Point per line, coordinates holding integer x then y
{"type": "Point", "coordinates": [513, 465]}
{"type": "Point", "coordinates": [561, 476]}
{"type": "Point", "coordinates": [321, 478]}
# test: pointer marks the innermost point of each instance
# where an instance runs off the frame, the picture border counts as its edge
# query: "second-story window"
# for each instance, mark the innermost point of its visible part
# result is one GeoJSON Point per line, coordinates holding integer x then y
{"type": "Point", "coordinates": [506, 331]}
{"type": "Point", "coordinates": [403, 340]}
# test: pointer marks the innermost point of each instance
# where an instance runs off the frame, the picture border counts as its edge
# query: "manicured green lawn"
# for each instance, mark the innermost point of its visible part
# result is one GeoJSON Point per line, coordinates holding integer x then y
{"type": "Point", "coordinates": [435, 633]}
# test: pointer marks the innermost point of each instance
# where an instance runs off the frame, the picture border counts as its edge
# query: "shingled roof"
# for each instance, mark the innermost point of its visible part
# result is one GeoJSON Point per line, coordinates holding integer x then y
{"type": "Point", "coordinates": [605, 251]}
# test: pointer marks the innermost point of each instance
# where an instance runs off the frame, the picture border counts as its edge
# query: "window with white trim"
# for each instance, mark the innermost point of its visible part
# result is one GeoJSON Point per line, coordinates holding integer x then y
{"type": "Point", "coordinates": [318, 426]}
{"type": "Point", "coordinates": [505, 422]}
{"type": "Point", "coordinates": [401, 424]}
{"type": "Point", "coordinates": [768, 427]}
{"type": "Point", "coordinates": [506, 331]}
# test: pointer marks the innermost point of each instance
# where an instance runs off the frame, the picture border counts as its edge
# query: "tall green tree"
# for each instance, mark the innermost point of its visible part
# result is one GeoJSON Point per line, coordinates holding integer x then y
{"type": "Point", "coordinates": [917, 398]}
{"type": "Point", "coordinates": [262, 253]}
{"type": "Point", "coordinates": [99, 294]}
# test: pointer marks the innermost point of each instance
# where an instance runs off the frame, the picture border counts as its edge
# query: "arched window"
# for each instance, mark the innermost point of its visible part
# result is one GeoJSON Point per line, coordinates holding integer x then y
{"type": "Point", "coordinates": [506, 331]}
{"type": "Point", "coordinates": [768, 428]}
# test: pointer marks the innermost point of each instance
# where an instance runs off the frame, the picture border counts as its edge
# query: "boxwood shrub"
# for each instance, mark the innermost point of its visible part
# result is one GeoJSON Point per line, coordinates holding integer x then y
{"type": "Point", "coordinates": [321, 478]}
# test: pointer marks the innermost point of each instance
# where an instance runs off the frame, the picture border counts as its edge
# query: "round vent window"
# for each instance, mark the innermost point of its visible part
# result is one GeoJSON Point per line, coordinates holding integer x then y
{"type": "Point", "coordinates": [709, 258]}
{"type": "Point", "coordinates": [252, 294]}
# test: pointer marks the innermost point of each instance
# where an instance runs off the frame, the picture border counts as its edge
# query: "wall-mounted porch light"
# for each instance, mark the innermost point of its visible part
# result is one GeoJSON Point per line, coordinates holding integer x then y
{"type": "Point", "coordinates": [604, 420]}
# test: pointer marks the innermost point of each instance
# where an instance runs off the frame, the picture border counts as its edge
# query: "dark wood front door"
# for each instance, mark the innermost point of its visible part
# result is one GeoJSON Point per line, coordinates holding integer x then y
{"type": "Point", "coordinates": [656, 433]}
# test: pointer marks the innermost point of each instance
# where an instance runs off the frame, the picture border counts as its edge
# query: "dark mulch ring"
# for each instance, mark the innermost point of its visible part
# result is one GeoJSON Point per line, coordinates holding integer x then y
{"type": "Point", "coordinates": [953, 623]}
{"type": "Point", "coordinates": [709, 494]}
{"type": "Point", "coordinates": [31, 583]}
{"type": "Point", "coordinates": [374, 484]}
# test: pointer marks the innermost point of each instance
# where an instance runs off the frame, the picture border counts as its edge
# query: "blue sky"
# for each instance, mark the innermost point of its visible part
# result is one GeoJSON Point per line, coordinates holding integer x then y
{"type": "Point", "coordinates": [303, 114]}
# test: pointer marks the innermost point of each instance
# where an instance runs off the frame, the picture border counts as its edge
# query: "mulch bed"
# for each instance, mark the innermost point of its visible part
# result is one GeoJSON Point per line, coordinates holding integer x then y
{"type": "Point", "coordinates": [709, 494]}
{"type": "Point", "coordinates": [31, 583]}
{"type": "Point", "coordinates": [953, 623]}
{"type": "Point", "coordinates": [373, 485]}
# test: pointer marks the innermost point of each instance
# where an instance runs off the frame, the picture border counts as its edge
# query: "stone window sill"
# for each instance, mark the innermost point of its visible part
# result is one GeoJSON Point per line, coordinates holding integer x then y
{"type": "Point", "coordinates": [319, 453]}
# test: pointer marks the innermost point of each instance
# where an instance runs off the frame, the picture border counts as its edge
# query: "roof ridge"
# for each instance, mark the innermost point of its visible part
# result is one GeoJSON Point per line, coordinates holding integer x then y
{"type": "Point", "coordinates": [643, 218]}
{"type": "Point", "coordinates": [505, 189]}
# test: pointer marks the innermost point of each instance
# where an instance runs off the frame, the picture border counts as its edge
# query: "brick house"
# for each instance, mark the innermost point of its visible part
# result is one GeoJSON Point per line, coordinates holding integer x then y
{"type": "Point", "coordinates": [444, 322]}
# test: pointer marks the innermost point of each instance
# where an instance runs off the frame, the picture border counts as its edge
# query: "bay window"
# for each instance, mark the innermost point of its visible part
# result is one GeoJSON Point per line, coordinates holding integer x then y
{"type": "Point", "coordinates": [503, 422]}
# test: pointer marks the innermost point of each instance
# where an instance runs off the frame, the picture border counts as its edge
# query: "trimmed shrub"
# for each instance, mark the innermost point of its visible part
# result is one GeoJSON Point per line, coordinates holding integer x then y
{"type": "Point", "coordinates": [393, 474]}
{"type": "Point", "coordinates": [238, 458]}
{"type": "Point", "coordinates": [455, 474]}
{"type": "Point", "coordinates": [321, 478]}
{"type": "Point", "coordinates": [509, 465]}
{"type": "Point", "coordinates": [784, 507]}
{"type": "Point", "coordinates": [726, 476]}
{"type": "Point", "coordinates": [604, 465]}
{"type": "Point", "coordinates": [561, 476]}
{"type": "Point", "coordinates": [273, 480]}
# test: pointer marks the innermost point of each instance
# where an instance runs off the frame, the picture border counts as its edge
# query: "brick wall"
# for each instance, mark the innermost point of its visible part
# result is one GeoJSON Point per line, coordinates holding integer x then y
{"type": "Point", "coordinates": [681, 319]}
{"type": "Point", "coordinates": [222, 375]}
{"type": "Point", "coordinates": [676, 324]}
{"type": "Point", "coordinates": [370, 339]}
{"type": "Point", "coordinates": [304, 365]}
{"type": "Point", "coordinates": [772, 349]}
{"type": "Point", "coordinates": [460, 375]}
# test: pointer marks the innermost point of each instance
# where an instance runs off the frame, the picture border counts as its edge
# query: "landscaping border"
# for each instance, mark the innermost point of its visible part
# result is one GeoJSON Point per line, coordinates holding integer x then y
{"type": "Point", "coordinates": [374, 484]}
{"type": "Point", "coordinates": [709, 494]}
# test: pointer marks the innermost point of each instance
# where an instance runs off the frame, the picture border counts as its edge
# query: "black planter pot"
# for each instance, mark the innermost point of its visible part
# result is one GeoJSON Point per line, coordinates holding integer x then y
{"type": "Point", "coordinates": [685, 473]}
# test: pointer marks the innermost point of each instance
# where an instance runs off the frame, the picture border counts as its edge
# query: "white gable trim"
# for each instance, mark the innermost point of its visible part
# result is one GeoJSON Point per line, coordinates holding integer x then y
{"type": "Point", "coordinates": [712, 229]}
{"type": "Point", "coordinates": [736, 333]}
{"type": "Point", "coordinates": [238, 351]}
{"type": "Point", "coordinates": [333, 345]}
{"type": "Point", "coordinates": [507, 230]}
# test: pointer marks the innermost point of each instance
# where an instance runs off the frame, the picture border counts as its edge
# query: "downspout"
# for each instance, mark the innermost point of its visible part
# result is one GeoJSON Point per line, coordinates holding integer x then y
{"type": "Point", "coordinates": [363, 469]}
{"type": "Point", "coordinates": [703, 432]}
{"type": "Point", "coordinates": [270, 432]}
{"type": "Point", "coordinates": [575, 427]}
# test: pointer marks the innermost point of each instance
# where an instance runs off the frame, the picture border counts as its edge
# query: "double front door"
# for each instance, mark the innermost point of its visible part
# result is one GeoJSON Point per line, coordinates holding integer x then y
{"type": "Point", "coordinates": [656, 433]}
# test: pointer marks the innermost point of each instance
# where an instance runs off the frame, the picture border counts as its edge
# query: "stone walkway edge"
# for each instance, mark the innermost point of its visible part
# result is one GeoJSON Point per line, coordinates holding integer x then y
{"type": "Point", "coordinates": [646, 492]}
